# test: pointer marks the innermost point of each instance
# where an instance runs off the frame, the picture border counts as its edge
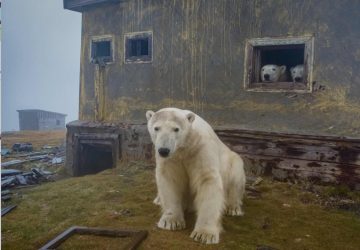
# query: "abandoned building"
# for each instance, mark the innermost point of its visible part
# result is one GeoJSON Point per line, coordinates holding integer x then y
{"type": "Point", "coordinates": [206, 56]}
{"type": "Point", "coordinates": [36, 119]}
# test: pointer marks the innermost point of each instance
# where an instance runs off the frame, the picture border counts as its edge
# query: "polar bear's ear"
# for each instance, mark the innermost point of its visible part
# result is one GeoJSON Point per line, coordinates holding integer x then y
{"type": "Point", "coordinates": [190, 117]}
{"type": "Point", "coordinates": [282, 69]}
{"type": "Point", "coordinates": [149, 114]}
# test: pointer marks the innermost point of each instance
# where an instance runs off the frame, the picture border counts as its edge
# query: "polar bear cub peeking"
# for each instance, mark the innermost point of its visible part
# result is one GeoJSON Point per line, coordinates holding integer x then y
{"type": "Point", "coordinates": [297, 73]}
{"type": "Point", "coordinates": [194, 171]}
{"type": "Point", "coordinates": [273, 73]}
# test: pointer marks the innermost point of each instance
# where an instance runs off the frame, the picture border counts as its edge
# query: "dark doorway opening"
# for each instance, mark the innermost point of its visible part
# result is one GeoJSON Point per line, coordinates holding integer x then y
{"type": "Point", "coordinates": [95, 157]}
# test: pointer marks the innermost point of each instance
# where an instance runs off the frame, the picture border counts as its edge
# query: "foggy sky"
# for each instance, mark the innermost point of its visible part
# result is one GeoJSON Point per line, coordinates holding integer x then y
{"type": "Point", "coordinates": [40, 59]}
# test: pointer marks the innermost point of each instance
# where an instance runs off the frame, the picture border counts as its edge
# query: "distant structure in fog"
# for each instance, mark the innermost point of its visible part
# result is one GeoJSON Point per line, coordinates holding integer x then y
{"type": "Point", "coordinates": [36, 119]}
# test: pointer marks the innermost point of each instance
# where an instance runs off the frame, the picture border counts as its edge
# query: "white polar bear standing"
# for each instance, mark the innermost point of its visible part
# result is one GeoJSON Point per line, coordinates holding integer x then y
{"type": "Point", "coordinates": [194, 170]}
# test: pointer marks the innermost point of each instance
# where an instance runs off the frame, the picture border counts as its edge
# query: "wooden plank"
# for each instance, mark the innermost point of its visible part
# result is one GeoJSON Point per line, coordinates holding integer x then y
{"type": "Point", "coordinates": [326, 159]}
{"type": "Point", "coordinates": [283, 168]}
{"type": "Point", "coordinates": [345, 153]}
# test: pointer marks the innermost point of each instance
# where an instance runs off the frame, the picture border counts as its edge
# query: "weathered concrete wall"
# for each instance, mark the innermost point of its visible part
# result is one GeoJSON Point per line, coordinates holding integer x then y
{"type": "Point", "coordinates": [128, 142]}
{"type": "Point", "coordinates": [198, 63]}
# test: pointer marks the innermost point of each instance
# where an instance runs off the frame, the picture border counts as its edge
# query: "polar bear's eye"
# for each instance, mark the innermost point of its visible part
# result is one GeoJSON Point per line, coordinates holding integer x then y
{"type": "Point", "coordinates": [263, 69]}
{"type": "Point", "coordinates": [176, 129]}
{"type": "Point", "coordinates": [156, 128]}
{"type": "Point", "coordinates": [273, 69]}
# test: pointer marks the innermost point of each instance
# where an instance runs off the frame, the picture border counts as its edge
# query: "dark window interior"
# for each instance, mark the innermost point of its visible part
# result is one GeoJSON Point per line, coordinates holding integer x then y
{"type": "Point", "coordinates": [288, 55]}
{"type": "Point", "coordinates": [138, 47]}
{"type": "Point", "coordinates": [282, 55]}
{"type": "Point", "coordinates": [57, 122]}
{"type": "Point", "coordinates": [101, 51]}
{"type": "Point", "coordinates": [95, 158]}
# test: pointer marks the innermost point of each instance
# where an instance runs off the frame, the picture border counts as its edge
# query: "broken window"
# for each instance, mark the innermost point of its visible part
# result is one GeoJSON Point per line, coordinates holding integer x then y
{"type": "Point", "coordinates": [138, 47]}
{"type": "Point", "coordinates": [101, 50]}
{"type": "Point", "coordinates": [279, 64]}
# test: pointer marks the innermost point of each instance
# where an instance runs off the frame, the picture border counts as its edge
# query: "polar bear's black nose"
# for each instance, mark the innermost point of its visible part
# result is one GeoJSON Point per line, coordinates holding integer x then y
{"type": "Point", "coordinates": [297, 79]}
{"type": "Point", "coordinates": [266, 76]}
{"type": "Point", "coordinates": [164, 152]}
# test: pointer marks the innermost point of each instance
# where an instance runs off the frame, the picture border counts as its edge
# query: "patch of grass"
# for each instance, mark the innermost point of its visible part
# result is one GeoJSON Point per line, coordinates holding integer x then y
{"type": "Point", "coordinates": [37, 138]}
{"type": "Point", "coordinates": [100, 201]}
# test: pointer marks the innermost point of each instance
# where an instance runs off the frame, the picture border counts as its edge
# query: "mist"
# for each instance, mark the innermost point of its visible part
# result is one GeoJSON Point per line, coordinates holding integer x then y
{"type": "Point", "coordinates": [40, 59]}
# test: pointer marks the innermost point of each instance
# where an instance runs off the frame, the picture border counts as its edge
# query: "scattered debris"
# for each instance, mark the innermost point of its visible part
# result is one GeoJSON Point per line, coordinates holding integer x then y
{"type": "Point", "coordinates": [6, 210]}
{"type": "Point", "coordinates": [138, 236]}
{"type": "Point", "coordinates": [11, 163]}
{"type": "Point", "coordinates": [286, 205]}
{"type": "Point", "coordinates": [5, 197]}
{"type": "Point", "coordinates": [21, 147]}
{"type": "Point", "coordinates": [251, 191]}
{"type": "Point", "coordinates": [11, 178]}
{"type": "Point", "coordinates": [8, 182]}
{"type": "Point", "coordinates": [5, 151]}
{"type": "Point", "coordinates": [291, 96]}
{"type": "Point", "coordinates": [57, 160]}
{"type": "Point", "coordinates": [9, 172]}
{"type": "Point", "coordinates": [257, 181]}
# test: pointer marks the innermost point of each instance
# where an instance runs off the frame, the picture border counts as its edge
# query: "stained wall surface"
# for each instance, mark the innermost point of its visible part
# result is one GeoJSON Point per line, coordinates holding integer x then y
{"type": "Point", "coordinates": [198, 63]}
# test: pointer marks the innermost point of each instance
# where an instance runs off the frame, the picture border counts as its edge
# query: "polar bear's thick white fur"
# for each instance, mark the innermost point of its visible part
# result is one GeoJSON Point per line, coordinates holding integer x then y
{"type": "Point", "coordinates": [297, 73]}
{"type": "Point", "coordinates": [273, 73]}
{"type": "Point", "coordinates": [194, 171]}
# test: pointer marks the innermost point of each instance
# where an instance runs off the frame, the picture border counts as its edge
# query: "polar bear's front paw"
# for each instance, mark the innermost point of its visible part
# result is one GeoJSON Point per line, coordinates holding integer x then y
{"type": "Point", "coordinates": [170, 222]}
{"type": "Point", "coordinates": [205, 236]}
{"type": "Point", "coordinates": [234, 211]}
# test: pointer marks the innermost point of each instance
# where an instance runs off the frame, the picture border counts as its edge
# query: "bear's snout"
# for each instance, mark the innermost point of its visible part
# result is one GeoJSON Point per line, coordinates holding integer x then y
{"type": "Point", "coordinates": [267, 76]}
{"type": "Point", "coordinates": [297, 79]}
{"type": "Point", "coordinates": [164, 152]}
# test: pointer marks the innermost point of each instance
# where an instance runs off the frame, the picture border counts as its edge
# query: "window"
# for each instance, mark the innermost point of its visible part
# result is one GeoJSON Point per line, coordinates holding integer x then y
{"type": "Point", "coordinates": [57, 122]}
{"type": "Point", "coordinates": [101, 50]}
{"type": "Point", "coordinates": [138, 47]}
{"type": "Point", "coordinates": [281, 55]}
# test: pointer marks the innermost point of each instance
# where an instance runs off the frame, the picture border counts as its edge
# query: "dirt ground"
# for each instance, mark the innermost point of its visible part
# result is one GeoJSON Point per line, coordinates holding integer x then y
{"type": "Point", "coordinates": [280, 216]}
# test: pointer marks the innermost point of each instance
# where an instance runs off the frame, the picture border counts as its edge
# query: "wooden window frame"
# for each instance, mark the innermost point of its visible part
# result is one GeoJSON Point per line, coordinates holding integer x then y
{"type": "Point", "coordinates": [252, 64]}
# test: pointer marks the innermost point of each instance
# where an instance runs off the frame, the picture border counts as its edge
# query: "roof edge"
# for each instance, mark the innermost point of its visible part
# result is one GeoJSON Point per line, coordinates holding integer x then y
{"type": "Point", "coordinates": [84, 5]}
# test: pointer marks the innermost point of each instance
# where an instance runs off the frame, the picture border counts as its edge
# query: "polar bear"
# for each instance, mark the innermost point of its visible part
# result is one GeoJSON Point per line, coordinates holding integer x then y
{"type": "Point", "coordinates": [297, 73]}
{"type": "Point", "coordinates": [273, 73]}
{"type": "Point", "coordinates": [194, 171]}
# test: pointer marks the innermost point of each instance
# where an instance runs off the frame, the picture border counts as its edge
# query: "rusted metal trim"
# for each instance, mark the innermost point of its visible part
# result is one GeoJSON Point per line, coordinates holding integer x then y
{"type": "Point", "coordinates": [138, 236]}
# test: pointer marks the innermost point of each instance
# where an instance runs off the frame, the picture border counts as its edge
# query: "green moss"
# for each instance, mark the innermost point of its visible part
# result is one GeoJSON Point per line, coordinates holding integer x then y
{"type": "Point", "coordinates": [100, 201]}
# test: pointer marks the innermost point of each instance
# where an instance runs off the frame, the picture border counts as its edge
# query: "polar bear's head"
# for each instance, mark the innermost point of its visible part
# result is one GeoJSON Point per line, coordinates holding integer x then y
{"type": "Point", "coordinates": [169, 129]}
{"type": "Point", "coordinates": [297, 73]}
{"type": "Point", "coordinates": [272, 72]}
